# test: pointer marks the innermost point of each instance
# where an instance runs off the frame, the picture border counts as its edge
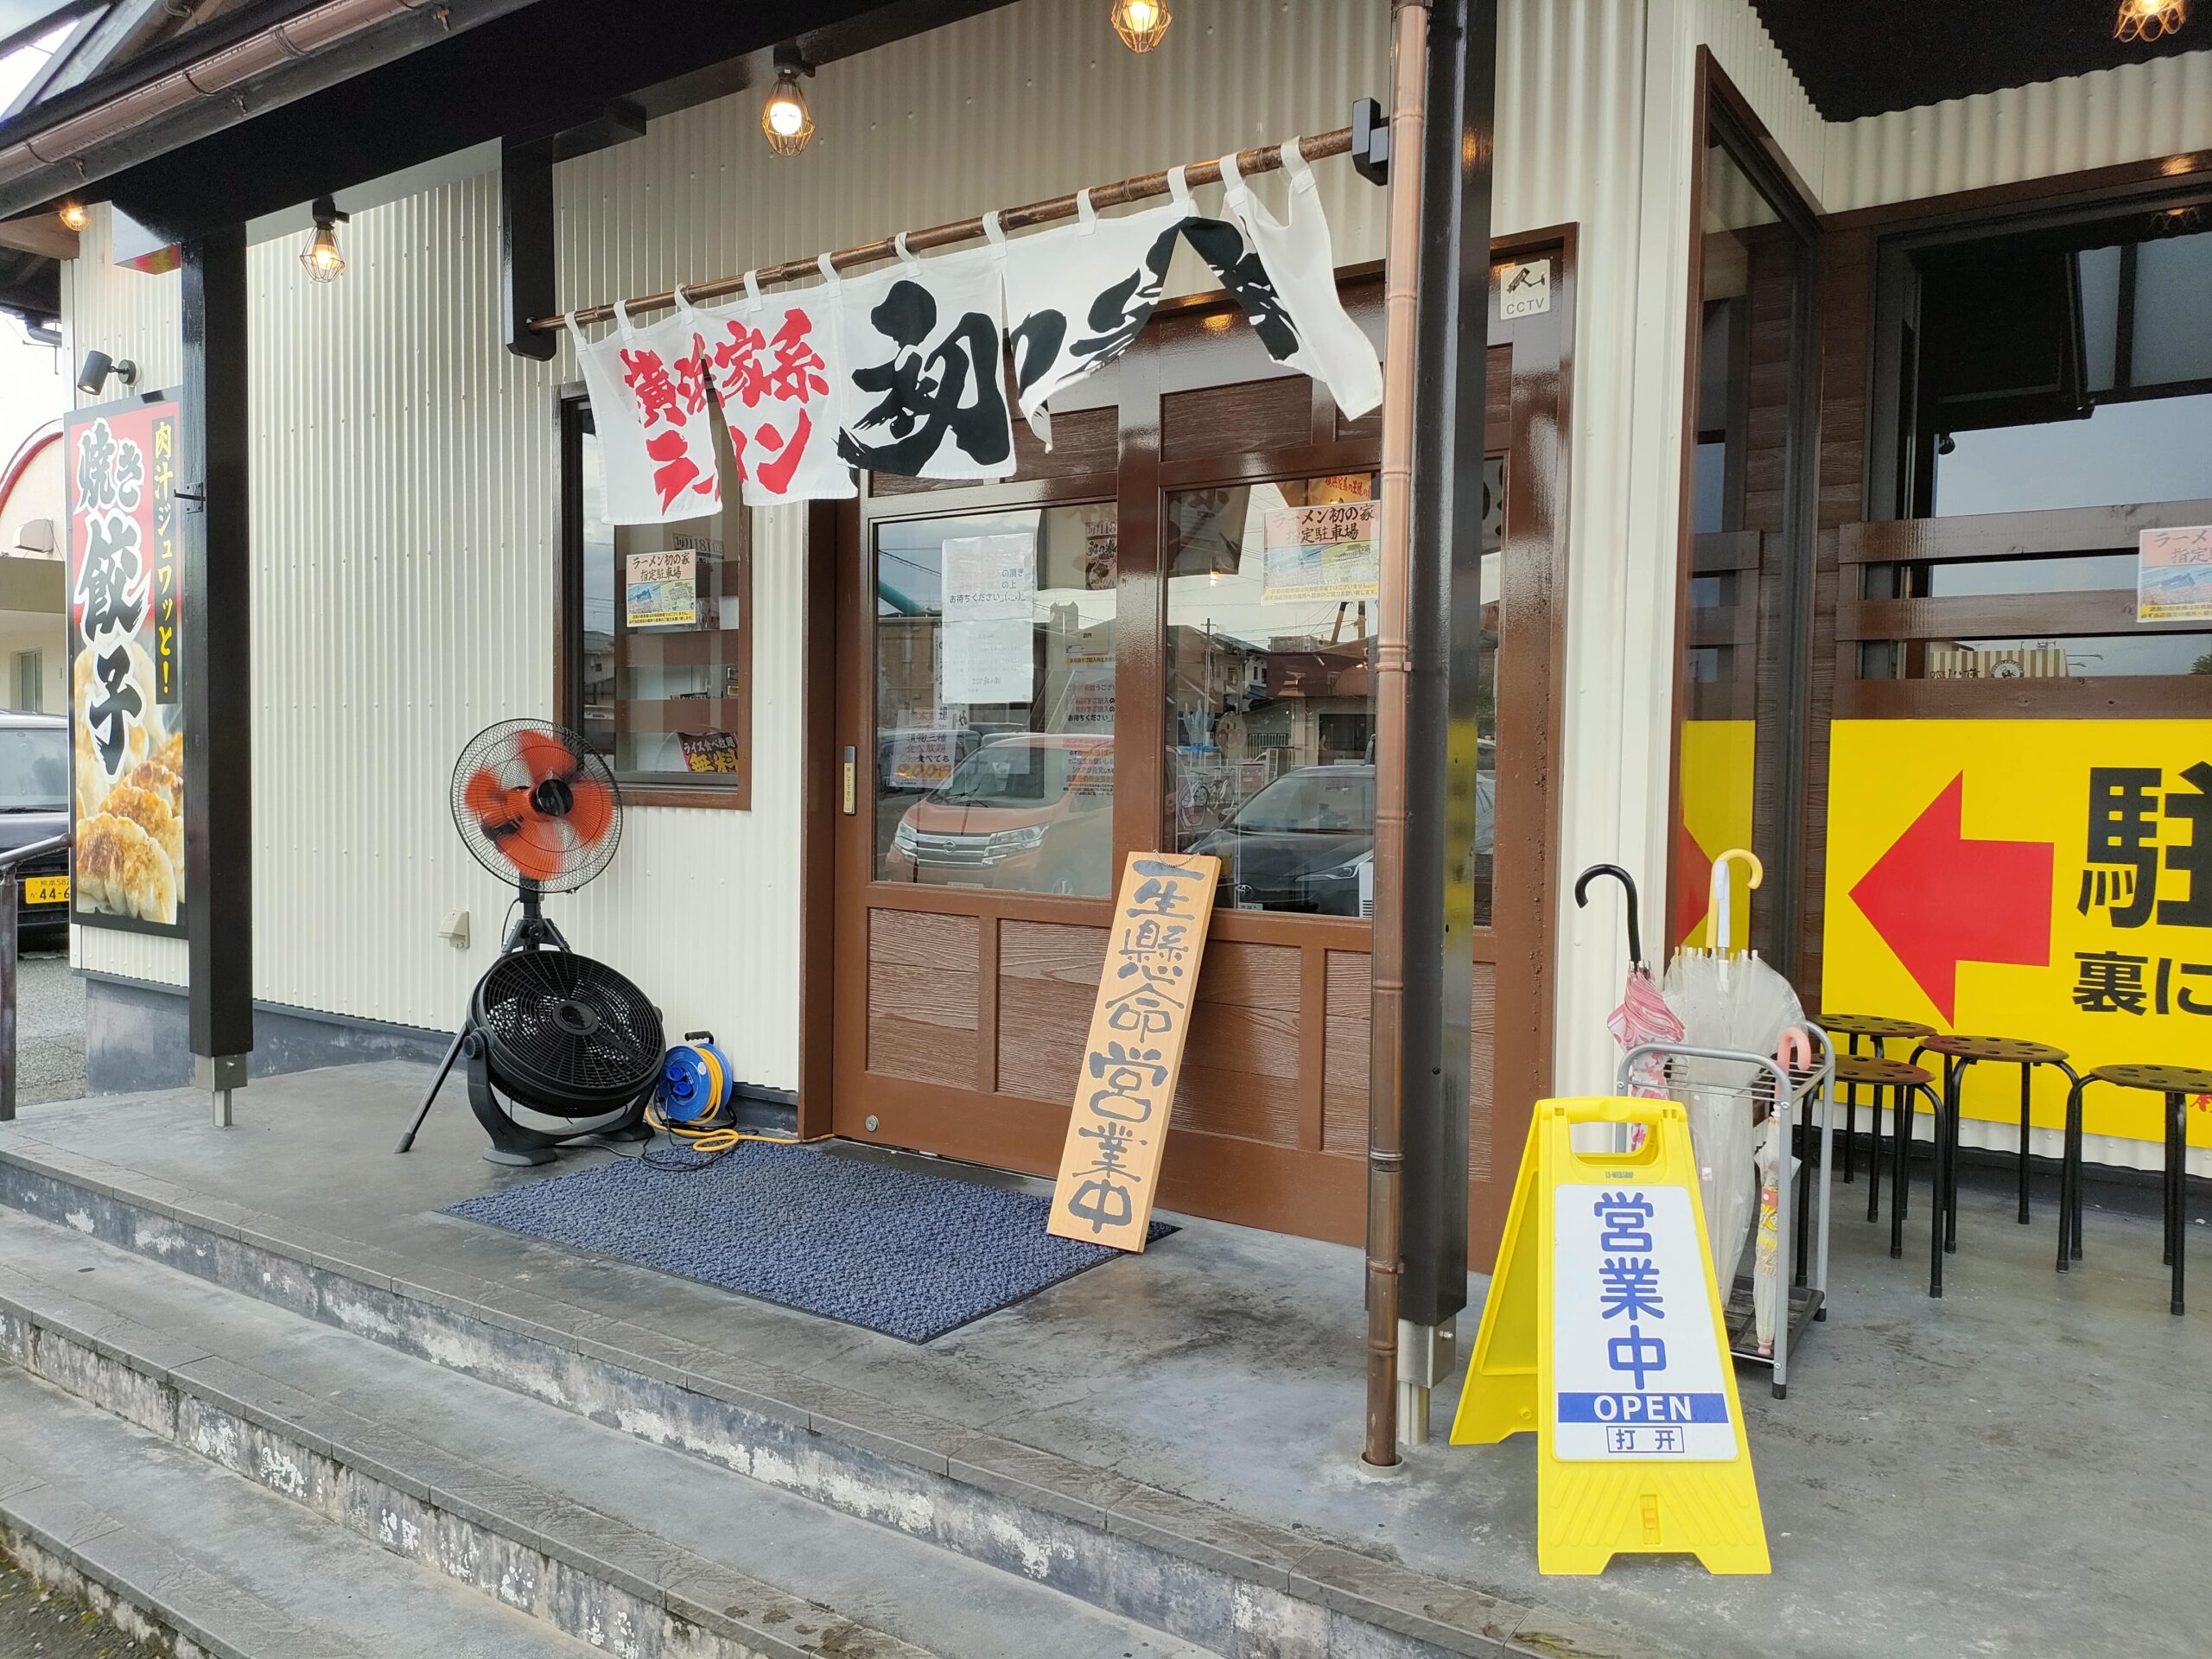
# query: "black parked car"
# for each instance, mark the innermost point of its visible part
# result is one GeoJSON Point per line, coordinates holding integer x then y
{"type": "Point", "coordinates": [35, 806]}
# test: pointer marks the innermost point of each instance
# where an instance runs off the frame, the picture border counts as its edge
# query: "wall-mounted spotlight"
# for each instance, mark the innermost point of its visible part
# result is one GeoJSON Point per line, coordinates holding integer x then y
{"type": "Point", "coordinates": [320, 257]}
{"type": "Point", "coordinates": [1140, 23]}
{"type": "Point", "coordinates": [73, 215]}
{"type": "Point", "coordinates": [786, 121]}
{"type": "Point", "coordinates": [97, 366]}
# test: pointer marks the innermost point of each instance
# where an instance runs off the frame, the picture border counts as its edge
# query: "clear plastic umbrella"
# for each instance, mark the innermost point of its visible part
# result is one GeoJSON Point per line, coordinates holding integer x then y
{"type": "Point", "coordinates": [1731, 1002]}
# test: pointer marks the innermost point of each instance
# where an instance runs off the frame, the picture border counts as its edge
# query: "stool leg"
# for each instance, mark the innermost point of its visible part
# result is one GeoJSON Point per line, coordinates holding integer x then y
{"type": "Point", "coordinates": [1851, 1120]}
{"type": "Point", "coordinates": [2078, 1140]}
{"type": "Point", "coordinates": [2177, 1178]}
{"type": "Point", "coordinates": [1939, 1208]}
{"type": "Point", "coordinates": [2070, 1174]}
{"type": "Point", "coordinates": [1954, 1087]}
{"type": "Point", "coordinates": [2173, 1197]}
{"type": "Point", "coordinates": [1900, 1138]}
{"type": "Point", "coordinates": [1874, 1157]}
{"type": "Point", "coordinates": [2027, 1089]}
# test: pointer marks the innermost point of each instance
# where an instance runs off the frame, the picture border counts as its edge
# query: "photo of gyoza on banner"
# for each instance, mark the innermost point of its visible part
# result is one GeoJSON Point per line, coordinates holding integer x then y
{"type": "Point", "coordinates": [126, 717]}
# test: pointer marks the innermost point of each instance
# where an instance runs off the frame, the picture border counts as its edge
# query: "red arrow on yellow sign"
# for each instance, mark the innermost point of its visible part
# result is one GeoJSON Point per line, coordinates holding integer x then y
{"type": "Point", "coordinates": [1938, 898]}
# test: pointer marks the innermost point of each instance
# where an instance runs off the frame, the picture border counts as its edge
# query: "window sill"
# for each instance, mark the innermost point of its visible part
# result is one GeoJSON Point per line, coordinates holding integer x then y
{"type": "Point", "coordinates": [737, 799]}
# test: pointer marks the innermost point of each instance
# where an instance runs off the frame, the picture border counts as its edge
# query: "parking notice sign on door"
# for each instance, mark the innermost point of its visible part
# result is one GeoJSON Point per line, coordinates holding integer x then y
{"type": "Point", "coordinates": [2043, 879]}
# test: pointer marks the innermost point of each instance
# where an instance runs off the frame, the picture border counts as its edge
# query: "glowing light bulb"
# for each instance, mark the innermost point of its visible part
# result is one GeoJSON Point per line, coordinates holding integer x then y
{"type": "Point", "coordinates": [1140, 23]}
{"type": "Point", "coordinates": [320, 259]}
{"type": "Point", "coordinates": [786, 121]}
{"type": "Point", "coordinates": [73, 216]}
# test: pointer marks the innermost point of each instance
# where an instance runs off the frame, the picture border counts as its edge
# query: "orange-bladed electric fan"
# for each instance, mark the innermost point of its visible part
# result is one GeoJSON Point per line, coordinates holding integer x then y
{"type": "Point", "coordinates": [548, 1031]}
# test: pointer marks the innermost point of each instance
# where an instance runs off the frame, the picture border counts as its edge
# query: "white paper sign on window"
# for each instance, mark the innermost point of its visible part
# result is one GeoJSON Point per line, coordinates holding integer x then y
{"type": "Point", "coordinates": [987, 651]}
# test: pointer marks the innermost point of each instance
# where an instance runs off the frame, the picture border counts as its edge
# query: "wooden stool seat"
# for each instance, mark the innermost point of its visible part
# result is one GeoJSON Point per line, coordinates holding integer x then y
{"type": "Point", "coordinates": [1874, 1025]}
{"type": "Point", "coordinates": [2159, 1079]}
{"type": "Point", "coordinates": [1878, 1071]}
{"type": "Point", "coordinates": [1999, 1051]}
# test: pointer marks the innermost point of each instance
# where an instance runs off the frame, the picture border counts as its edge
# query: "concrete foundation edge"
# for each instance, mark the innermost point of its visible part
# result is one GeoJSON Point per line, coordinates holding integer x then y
{"type": "Point", "coordinates": [1242, 1589]}
{"type": "Point", "coordinates": [543, 1577]}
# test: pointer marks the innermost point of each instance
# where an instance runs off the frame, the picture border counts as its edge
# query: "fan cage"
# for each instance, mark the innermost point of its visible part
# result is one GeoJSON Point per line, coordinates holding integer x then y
{"type": "Point", "coordinates": [496, 750]}
{"type": "Point", "coordinates": [566, 1035]}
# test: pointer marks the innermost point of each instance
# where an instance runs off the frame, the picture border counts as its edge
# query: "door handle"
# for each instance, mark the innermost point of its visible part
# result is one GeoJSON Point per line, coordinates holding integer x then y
{"type": "Point", "coordinates": [852, 780]}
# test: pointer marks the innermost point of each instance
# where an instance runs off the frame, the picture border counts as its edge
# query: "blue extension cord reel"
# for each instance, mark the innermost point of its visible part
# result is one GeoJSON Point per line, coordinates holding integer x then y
{"type": "Point", "coordinates": [696, 1081]}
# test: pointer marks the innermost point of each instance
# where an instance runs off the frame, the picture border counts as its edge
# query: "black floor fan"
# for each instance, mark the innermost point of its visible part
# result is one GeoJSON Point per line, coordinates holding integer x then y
{"type": "Point", "coordinates": [548, 1031]}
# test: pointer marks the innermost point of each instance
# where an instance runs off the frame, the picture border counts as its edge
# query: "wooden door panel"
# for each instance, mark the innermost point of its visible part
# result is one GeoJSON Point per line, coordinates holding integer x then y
{"type": "Point", "coordinates": [1048, 981]}
{"type": "Point", "coordinates": [1350, 1007]}
{"type": "Point", "coordinates": [923, 1006]}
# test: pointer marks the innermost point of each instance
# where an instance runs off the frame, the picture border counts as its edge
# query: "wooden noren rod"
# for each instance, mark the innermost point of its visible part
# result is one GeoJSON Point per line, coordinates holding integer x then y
{"type": "Point", "coordinates": [1145, 185]}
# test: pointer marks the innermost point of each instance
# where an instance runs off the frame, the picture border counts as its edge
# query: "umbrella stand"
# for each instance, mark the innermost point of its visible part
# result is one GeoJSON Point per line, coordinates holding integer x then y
{"type": "Point", "coordinates": [1776, 1088]}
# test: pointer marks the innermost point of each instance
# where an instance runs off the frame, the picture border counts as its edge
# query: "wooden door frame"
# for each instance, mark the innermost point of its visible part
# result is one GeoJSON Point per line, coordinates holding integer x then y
{"type": "Point", "coordinates": [1538, 443]}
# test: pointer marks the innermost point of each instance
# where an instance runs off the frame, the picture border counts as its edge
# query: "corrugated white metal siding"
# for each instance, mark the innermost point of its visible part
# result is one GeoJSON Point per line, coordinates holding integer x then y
{"type": "Point", "coordinates": [405, 499]}
{"type": "Point", "coordinates": [1597, 118]}
{"type": "Point", "coordinates": [2139, 111]}
{"type": "Point", "coordinates": [405, 502]}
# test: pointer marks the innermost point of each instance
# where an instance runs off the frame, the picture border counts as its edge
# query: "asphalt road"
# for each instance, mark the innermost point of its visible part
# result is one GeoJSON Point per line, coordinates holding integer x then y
{"type": "Point", "coordinates": [36, 1625]}
{"type": "Point", "coordinates": [49, 1033]}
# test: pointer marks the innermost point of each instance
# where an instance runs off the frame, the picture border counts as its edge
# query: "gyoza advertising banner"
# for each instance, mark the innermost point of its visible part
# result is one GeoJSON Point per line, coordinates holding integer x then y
{"type": "Point", "coordinates": [126, 715]}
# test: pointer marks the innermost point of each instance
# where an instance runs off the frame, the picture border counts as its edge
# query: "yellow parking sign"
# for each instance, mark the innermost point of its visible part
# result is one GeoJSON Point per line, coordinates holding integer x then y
{"type": "Point", "coordinates": [2043, 879]}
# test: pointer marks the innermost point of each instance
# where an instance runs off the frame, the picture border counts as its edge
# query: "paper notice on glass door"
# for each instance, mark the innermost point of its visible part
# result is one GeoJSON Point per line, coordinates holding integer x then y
{"type": "Point", "coordinates": [987, 653]}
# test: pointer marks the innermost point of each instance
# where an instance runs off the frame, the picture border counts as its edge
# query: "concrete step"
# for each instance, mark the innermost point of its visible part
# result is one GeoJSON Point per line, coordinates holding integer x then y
{"type": "Point", "coordinates": [204, 1562]}
{"type": "Point", "coordinates": [595, 1531]}
{"type": "Point", "coordinates": [1225, 1582]}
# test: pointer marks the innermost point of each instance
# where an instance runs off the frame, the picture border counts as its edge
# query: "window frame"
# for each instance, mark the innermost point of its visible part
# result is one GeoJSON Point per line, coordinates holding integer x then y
{"type": "Point", "coordinates": [647, 789]}
{"type": "Point", "coordinates": [1725, 121]}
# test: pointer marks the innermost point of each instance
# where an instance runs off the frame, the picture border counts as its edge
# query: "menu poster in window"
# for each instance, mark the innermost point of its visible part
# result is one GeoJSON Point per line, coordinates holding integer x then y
{"type": "Point", "coordinates": [661, 589]}
{"type": "Point", "coordinates": [708, 751]}
{"type": "Point", "coordinates": [989, 597]}
{"type": "Point", "coordinates": [2173, 576]}
{"type": "Point", "coordinates": [1320, 553]}
{"type": "Point", "coordinates": [126, 714]}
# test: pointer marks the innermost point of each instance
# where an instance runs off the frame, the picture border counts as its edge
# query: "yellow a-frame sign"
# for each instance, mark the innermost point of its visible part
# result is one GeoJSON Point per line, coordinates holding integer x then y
{"type": "Point", "coordinates": [1603, 1333]}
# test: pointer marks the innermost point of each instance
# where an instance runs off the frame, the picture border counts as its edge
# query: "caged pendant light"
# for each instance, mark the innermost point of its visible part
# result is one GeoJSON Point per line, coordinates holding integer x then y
{"type": "Point", "coordinates": [1140, 23]}
{"type": "Point", "coordinates": [786, 121]}
{"type": "Point", "coordinates": [2150, 20]}
{"type": "Point", "coordinates": [320, 259]}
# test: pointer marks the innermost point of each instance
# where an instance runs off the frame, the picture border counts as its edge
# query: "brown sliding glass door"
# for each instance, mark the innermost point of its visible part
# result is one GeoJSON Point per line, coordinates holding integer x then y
{"type": "Point", "coordinates": [1141, 642]}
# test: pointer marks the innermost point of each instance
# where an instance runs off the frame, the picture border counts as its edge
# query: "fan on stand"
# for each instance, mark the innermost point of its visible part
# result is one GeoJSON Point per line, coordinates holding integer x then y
{"type": "Point", "coordinates": [548, 1032]}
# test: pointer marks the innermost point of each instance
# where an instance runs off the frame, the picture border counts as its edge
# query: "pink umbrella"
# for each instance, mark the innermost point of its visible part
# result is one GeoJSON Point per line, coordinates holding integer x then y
{"type": "Point", "coordinates": [1643, 1016]}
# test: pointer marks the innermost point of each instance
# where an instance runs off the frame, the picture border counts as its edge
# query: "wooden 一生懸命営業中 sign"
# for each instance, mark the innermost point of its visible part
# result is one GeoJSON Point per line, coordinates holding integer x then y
{"type": "Point", "coordinates": [1109, 1170]}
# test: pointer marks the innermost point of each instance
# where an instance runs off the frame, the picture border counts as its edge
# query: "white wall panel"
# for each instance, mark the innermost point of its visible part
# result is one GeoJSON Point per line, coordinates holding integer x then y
{"type": "Point", "coordinates": [2139, 111]}
{"type": "Point", "coordinates": [404, 482]}
{"type": "Point", "coordinates": [404, 501]}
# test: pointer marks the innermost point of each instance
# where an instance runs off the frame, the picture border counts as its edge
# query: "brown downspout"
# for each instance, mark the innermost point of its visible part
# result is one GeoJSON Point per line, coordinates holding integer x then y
{"type": "Point", "coordinates": [1386, 1156]}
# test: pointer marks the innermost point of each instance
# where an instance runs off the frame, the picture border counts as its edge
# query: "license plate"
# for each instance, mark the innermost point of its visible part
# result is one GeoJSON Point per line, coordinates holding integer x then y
{"type": "Point", "coordinates": [45, 889]}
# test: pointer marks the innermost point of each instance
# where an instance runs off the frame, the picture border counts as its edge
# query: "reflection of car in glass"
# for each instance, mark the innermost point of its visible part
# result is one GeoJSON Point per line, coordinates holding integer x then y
{"type": "Point", "coordinates": [1032, 813]}
{"type": "Point", "coordinates": [1300, 843]}
{"type": "Point", "coordinates": [1307, 841]}
{"type": "Point", "coordinates": [35, 806]}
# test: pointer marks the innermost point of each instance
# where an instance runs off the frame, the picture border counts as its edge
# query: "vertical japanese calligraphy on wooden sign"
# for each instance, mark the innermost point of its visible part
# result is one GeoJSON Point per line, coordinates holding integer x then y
{"type": "Point", "coordinates": [1109, 1170]}
{"type": "Point", "coordinates": [126, 711]}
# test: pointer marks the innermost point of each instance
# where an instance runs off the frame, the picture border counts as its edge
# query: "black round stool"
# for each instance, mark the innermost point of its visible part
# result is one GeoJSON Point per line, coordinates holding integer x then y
{"type": "Point", "coordinates": [2176, 1083]}
{"type": "Point", "coordinates": [1876, 1029]}
{"type": "Point", "coordinates": [1959, 1053]}
{"type": "Point", "coordinates": [1903, 1081]}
